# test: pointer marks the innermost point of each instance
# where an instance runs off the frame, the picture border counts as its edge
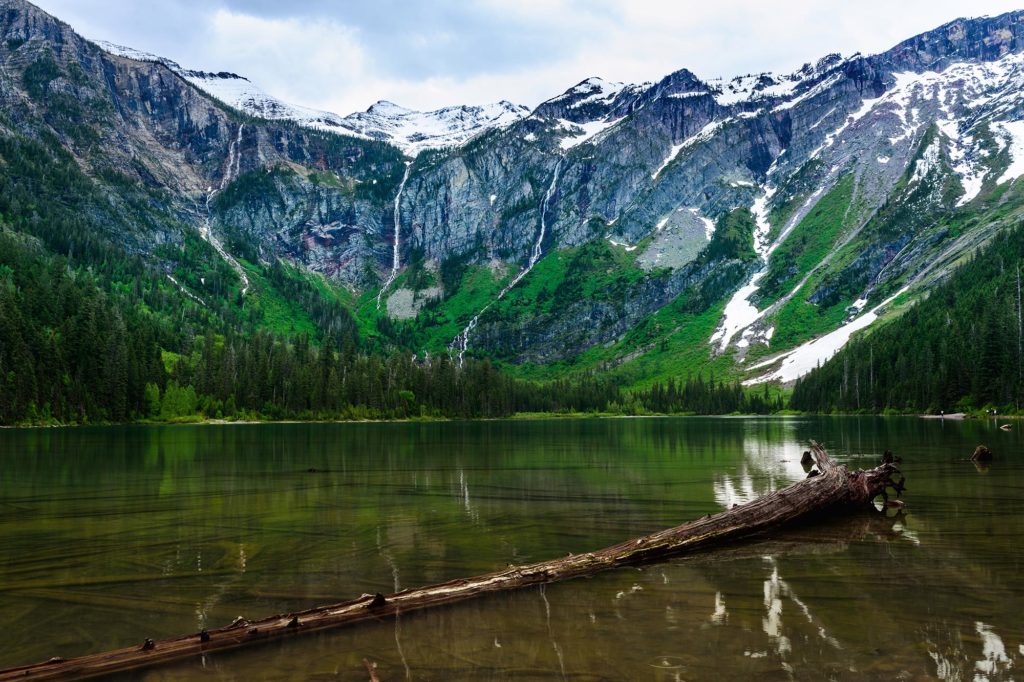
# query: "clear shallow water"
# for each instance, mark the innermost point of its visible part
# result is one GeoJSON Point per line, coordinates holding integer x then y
{"type": "Point", "coordinates": [112, 535]}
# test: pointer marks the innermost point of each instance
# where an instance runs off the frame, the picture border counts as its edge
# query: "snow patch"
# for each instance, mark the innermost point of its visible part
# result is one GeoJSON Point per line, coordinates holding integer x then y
{"type": "Point", "coordinates": [591, 90]}
{"type": "Point", "coordinates": [581, 132]}
{"type": "Point", "coordinates": [810, 355]}
{"type": "Point", "coordinates": [812, 92]}
{"type": "Point", "coordinates": [760, 86]}
{"type": "Point", "coordinates": [411, 131]}
{"type": "Point", "coordinates": [416, 131]}
{"type": "Point", "coordinates": [672, 154]}
{"type": "Point", "coordinates": [928, 161]}
{"type": "Point", "coordinates": [1013, 133]}
{"type": "Point", "coordinates": [709, 224]}
{"type": "Point", "coordinates": [703, 135]}
{"type": "Point", "coordinates": [739, 313]}
{"type": "Point", "coordinates": [760, 211]}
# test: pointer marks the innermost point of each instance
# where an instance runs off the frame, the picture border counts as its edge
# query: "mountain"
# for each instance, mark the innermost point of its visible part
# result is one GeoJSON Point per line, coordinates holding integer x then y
{"type": "Point", "coordinates": [411, 131]}
{"type": "Point", "coordinates": [747, 227]}
{"type": "Point", "coordinates": [959, 350]}
{"type": "Point", "coordinates": [416, 131]}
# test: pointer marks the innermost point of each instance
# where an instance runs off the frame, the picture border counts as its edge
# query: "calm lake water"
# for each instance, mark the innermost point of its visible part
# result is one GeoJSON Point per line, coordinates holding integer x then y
{"type": "Point", "coordinates": [112, 535]}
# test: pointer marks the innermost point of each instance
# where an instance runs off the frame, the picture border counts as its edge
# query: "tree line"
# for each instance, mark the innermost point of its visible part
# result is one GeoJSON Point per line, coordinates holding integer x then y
{"type": "Point", "coordinates": [960, 349]}
{"type": "Point", "coordinates": [75, 348]}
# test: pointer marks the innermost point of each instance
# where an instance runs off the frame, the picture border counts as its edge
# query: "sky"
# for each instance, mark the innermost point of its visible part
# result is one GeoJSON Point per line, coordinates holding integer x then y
{"type": "Point", "coordinates": [344, 55]}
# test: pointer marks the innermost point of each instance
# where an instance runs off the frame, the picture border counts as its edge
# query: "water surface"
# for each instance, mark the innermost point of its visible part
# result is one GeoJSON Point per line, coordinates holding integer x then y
{"type": "Point", "coordinates": [112, 535]}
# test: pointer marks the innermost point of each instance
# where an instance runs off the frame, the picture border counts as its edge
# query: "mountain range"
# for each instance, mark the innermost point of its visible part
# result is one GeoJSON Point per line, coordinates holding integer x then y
{"type": "Point", "coordinates": [747, 227]}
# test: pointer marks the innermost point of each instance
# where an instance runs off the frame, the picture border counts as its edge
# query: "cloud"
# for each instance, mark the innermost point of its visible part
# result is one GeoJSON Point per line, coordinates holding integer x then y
{"type": "Point", "coordinates": [298, 59]}
{"type": "Point", "coordinates": [344, 56]}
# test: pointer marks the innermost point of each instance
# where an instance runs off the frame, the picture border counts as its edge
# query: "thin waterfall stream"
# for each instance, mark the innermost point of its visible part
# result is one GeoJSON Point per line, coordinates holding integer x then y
{"type": "Point", "coordinates": [395, 257]}
{"type": "Point", "coordinates": [461, 342]}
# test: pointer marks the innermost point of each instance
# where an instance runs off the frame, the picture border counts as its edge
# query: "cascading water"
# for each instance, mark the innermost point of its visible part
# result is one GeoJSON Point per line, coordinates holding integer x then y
{"type": "Point", "coordinates": [395, 258]}
{"type": "Point", "coordinates": [231, 171]}
{"type": "Point", "coordinates": [234, 163]}
{"type": "Point", "coordinates": [461, 342]}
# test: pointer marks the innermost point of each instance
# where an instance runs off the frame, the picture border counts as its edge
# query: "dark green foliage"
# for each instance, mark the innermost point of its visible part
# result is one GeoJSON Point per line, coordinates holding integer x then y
{"type": "Point", "coordinates": [68, 351]}
{"type": "Point", "coordinates": [696, 396]}
{"type": "Point", "coordinates": [71, 353]}
{"type": "Point", "coordinates": [331, 318]}
{"type": "Point", "coordinates": [734, 237]}
{"type": "Point", "coordinates": [453, 269]}
{"type": "Point", "coordinates": [416, 275]}
{"type": "Point", "coordinates": [273, 378]}
{"type": "Point", "coordinates": [959, 349]}
{"type": "Point", "coordinates": [39, 74]}
{"type": "Point", "coordinates": [255, 188]}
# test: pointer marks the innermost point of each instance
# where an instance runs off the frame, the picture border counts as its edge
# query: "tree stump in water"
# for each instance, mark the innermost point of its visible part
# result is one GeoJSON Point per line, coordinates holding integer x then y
{"type": "Point", "coordinates": [834, 490]}
{"type": "Point", "coordinates": [981, 454]}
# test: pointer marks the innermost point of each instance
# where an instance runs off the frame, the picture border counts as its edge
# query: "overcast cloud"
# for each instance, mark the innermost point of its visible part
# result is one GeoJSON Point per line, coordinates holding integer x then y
{"type": "Point", "coordinates": [344, 55]}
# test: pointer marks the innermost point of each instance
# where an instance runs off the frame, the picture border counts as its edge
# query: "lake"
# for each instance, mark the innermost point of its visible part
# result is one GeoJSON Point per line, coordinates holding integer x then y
{"type": "Point", "coordinates": [111, 535]}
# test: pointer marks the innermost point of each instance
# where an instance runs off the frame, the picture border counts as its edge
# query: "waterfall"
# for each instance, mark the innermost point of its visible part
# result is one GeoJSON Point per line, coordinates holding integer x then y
{"type": "Point", "coordinates": [461, 342]}
{"type": "Point", "coordinates": [232, 168]}
{"type": "Point", "coordinates": [395, 258]}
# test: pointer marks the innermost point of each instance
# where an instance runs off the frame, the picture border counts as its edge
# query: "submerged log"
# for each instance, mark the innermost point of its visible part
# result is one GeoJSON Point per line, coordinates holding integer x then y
{"type": "Point", "coordinates": [835, 490]}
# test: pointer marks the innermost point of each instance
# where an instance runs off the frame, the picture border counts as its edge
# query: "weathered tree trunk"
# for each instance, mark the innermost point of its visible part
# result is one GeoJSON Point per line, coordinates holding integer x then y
{"type": "Point", "coordinates": [833, 489]}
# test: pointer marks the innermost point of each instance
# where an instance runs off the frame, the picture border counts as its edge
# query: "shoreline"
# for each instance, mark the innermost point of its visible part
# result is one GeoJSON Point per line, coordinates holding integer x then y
{"type": "Point", "coordinates": [521, 416]}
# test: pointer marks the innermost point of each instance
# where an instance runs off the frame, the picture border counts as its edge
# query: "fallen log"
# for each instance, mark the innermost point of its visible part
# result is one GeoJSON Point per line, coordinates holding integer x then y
{"type": "Point", "coordinates": [834, 489]}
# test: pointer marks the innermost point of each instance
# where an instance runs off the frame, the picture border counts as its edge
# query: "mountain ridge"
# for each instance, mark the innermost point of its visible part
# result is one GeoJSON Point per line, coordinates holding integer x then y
{"type": "Point", "coordinates": [643, 229]}
{"type": "Point", "coordinates": [411, 131]}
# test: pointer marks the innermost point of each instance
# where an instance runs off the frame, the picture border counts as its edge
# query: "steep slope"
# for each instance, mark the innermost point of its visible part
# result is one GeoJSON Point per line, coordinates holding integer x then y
{"type": "Point", "coordinates": [960, 349]}
{"type": "Point", "coordinates": [852, 169]}
{"type": "Point", "coordinates": [123, 169]}
{"type": "Point", "coordinates": [416, 131]}
{"type": "Point", "coordinates": [748, 226]}
{"type": "Point", "coordinates": [411, 131]}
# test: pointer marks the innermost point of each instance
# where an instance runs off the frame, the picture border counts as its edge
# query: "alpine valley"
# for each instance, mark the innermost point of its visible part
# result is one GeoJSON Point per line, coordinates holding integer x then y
{"type": "Point", "coordinates": [628, 234]}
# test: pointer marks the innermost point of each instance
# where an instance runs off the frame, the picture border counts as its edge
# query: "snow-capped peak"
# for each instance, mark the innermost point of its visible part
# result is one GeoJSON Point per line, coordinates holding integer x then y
{"type": "Point", "coordinates": [385, 108]}
{"type": "Point", "coordinates": [137, 55]}
{"type": "Point", "coordinates": [414, 131]}
{"type": "Point", "coordinates": [593, 89]}
{"type": "Point", "coordinates": [411, 131]}
{"type": "Point", "coordinates": [765, 85]}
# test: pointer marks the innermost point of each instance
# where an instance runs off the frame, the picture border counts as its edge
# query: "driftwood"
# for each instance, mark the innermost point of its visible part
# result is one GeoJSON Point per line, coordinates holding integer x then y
{"type": "Point", "coordinates": [835, 489]}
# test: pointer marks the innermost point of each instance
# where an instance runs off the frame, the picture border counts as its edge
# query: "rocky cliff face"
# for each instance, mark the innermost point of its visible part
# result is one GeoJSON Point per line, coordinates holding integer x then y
{"type": "Point", "coordinates": [780, 207]}
{"type": "Point", "coordinates": [146, 123]}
